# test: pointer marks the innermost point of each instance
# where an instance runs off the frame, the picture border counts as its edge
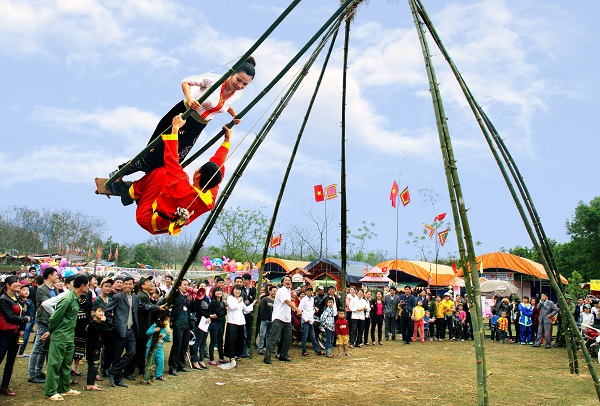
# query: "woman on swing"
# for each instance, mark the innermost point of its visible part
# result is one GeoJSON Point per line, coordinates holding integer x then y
{"type": "Point", "coordinates": [217, 102]}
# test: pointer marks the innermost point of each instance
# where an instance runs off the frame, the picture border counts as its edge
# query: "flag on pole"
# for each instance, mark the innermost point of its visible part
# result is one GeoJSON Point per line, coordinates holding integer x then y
{"type": "Point", "coordinates": [442, 236]}
{"type": "Point", "coordinates": [99, 252]}
{"type": "Point", "coordinates": [331, 191]}
{"type": "Point", "coordinates": [481, 267]}
{"type": "Point", "coordinates": [430, 228]}
{"type": "Point", "coordinates": [319, 196]}
{"type": "Point", "coordinates": [405, 196]}
{"type": "Point", "coordinates": [439, 217]}
{"type": "Point", "coordinates": [454, 268]}
{"type": "Point", "coordinates": [109, 253]}
{"type": "Point", "coordinates": [275, 241]}
{"type": "Point", "coordinates": [89, 254]}
{"type": "Point", "coordinates": [394, 194]}
{"type": "Point", "coordinates": [430, 279]}
{"type": "Point", "coordinates": [117, 253]}
{"type": "Point", "coordinates": [60, 251]}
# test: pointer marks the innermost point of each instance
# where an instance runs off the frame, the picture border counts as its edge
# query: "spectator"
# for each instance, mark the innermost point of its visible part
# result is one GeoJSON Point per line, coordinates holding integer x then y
{"type": "Point", "coordinates": [390, 311]}
{"type": "Point", "coordinates": [407, 304]}
{"type": "Point", "coordinates": [282, 321]}
{"type": "Point", "coordinates": [180, 317]}
{"type": "Point", "coordinates": [547, 310]}
{"type": "Point", "coordinates": [377, 317]}
{"type": "Point", "coordinates": [307, 307]}
{"type": "Point", "coordinates": [218, 311]}
{"type": "Point", "coordinates": [266, 313]}
{"type": "Point", "coordinates": [358, 305]}
{"type": "Point", "coordinates": [10, 319]}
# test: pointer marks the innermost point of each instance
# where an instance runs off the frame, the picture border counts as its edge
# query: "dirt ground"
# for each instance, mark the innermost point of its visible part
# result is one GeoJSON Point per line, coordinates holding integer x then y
{"type": "Point", "coordinates": [431, 373]}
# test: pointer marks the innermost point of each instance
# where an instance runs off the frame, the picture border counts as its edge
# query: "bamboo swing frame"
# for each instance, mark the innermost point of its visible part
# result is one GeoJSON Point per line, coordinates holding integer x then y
{"type": "Point", "coordinates": [459, 210]}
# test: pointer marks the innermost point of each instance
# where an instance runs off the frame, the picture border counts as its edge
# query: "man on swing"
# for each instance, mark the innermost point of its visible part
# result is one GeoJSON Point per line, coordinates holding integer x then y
{"type": "Point", "coordinates": [166, 201]}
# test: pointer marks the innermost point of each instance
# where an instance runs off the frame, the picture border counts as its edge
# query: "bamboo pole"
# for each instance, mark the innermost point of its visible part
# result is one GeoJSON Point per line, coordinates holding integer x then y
{"type": "Point", "coordinates": [214, 87]}
{"type": "Point", "coordinates": [293, 156]}
{"type": "Point", "coordinates": [572, 334]}
{"type": "Point", "coordinates": [460, 215]}
{"type": "Point", "coordinates": [228, 189]}
{"type": "Point", "coordinates": [343, 202]}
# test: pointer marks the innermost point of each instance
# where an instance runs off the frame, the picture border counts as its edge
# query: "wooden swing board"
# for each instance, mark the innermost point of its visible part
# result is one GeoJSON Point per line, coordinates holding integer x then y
{"type": "Point", "coordinates": [101, 189]}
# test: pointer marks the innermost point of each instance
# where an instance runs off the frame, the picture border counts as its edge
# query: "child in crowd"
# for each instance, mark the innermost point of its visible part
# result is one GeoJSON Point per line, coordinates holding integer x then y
{"type": "Point", "coordinates": [463, 325]}
{"type": "Point", "coordinates": [456, 326]}
{"type": "Point", "coordinates": [93, 344]}
{"type": "Point", "coordinates": [502, 328]}
{"type": "Point", "coordinates": [494, 325]}
{"type": "Point", "coordinates": [426, 322]}
{"type": "Point", "coordinates": [525, 313]}
{"type": "Point", "coordinates": [417, 316]}
{"type": "Point", "coordinates": [343, 335]}
{"type": "Point", "coordinates": [159, 355]}
{"type": "Point", "coordinates": [328, 323]}
{"type": "Point", "coordinates": [28, 310]}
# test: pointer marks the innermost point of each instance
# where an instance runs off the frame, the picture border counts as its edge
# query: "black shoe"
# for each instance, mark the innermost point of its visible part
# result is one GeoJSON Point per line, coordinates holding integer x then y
{"type": "Point", "coordinates": [184, 370]}
{"type": "Point", "coordinates": [171, 372]}
{"type": "Point", "coordinates": [267, 360]}
{"type": "Point", "coordinates": [285, 359]}
{"type": "Point", "coordinates": [122, 189]}
{"type": "Point", "coordinates": [245, 356]}
{"type": "Point", "coordinates": [121, 384]}
{"type": "Point", "coordinates": [130, 377]}
{"type": "Point", "coordinates": [36, 380]}
{"type": "Point", "coordinates": [111, 379]}
{"type": "Point", "coordinates": [535, 345]}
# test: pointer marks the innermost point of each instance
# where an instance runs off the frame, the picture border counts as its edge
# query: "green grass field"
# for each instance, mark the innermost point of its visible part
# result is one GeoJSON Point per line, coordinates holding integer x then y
{"type": "Point", "coordinates": [431, 373]}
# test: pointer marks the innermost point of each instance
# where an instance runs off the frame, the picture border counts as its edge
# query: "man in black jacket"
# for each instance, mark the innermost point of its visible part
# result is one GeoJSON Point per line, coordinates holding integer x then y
{"type": "Point", "coordinates": [337, 304]}
{"type": "Point", "coordinates": [180, 318]}
{"type": "Point", "coordinates": [144, 321]}
{"type": "Point", "coordinates": [122, 314]}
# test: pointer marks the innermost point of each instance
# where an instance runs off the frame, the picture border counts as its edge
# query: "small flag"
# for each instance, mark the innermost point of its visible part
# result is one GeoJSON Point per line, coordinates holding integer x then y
{"type": "Point", "coordinates": [331, 192]}
{"type": "Point", "coordinates": [89, 252]}
{"type": "Point", "coordinates": [394, 194]}
{"type": "Point", "coordinates": [117, 253]}
{"type": "Point", "coordinates": [430, 228]}
{"type": "Point", "coordinates": [60, 251]}
{"type": "Point", "coordinates": [481, 267]}
{"type": "Point", "coordinates": [430, 279]}
{"type": "Point", "coordinates": [439, 217]}
{"type": "Point", "coordinates": [109, 253]}
{"type": "Point", "coordinates": [275, 241]}
{"type": "Point", "coordinates": [319, 196]}
{"type": "Point", "coordinates": [405, 196]}
{"type": "Point", "coordinates": [454, 268]}
{"type": "Point", "coordinates": [99, 252]}
{"type": "Point", "coordinates": [442, 236]}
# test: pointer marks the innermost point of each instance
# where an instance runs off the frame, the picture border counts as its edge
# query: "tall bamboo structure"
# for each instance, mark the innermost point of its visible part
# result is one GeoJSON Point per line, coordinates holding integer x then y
{"type": "Point", "coordinates": [459, 211]}
{"type": "Point", "coordinates": [293, 155]}
{"type": "Point", "coordinates": [539, 238]}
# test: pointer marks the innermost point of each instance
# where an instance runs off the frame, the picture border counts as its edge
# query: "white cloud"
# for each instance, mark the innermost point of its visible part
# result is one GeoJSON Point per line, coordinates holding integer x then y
{"type": "Point", "coordinates": [91, 32]}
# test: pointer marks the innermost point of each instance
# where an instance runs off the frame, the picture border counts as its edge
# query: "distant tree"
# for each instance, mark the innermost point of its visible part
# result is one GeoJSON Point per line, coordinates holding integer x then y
{"type": "Point", "coordinates": [574, 288]}
{"type": "Point", "coordinates": [243, 233]}
{"type": "Point", "coordinates": [584, 229]}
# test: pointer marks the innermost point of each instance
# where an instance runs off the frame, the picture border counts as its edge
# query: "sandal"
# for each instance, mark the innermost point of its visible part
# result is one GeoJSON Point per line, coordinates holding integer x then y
{"type": "Point", "coordinates": [160, 378]}
{"type": "Point", "coordinates": [73, 382]}
{"type": "Point", "coordinates": [203, 365]}
{"type": "Point", "coordinates": [76, 373]}
{"type": "Point", "coordinates": [56, 397]}
{"type": "Point", "coordinates": [94, 388]}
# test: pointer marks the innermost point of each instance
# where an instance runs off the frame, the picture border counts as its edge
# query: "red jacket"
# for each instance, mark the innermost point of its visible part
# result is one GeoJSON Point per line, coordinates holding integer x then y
{"type": "Point", "coordinates": [10, 314]}
{"type": "Point", "coordinates": [341, 327]}
{"type": "Point", "coordinates": [163, 190]}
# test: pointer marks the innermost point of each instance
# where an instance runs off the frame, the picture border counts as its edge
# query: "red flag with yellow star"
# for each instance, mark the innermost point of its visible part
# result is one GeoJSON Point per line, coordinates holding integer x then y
{"type": "Point", "coordinates": [394, 194]}
{"type": "Point", "coordinates": [319, 195]}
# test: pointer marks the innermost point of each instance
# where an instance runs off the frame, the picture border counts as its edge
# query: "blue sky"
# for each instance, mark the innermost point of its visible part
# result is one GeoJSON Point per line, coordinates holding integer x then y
{"type": "Point", "coordinates": [85, 82]}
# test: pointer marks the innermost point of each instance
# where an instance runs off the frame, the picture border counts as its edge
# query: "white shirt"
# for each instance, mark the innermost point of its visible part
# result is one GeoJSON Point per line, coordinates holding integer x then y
{"type": "Point", "coordinates": [281, 310]}
{"type": "Point", "coordinates": [356, 304]}
{"type": "Point", "coordinates": [307, 305]}
{"type": "Point", "coordinates": [236, 310]}
{"type": "Point", "coordinates": [200, 84]}
{"type": "Point", "coordinates": [50, 304]}
{"type": "Point", "coordinates": [587, 318]}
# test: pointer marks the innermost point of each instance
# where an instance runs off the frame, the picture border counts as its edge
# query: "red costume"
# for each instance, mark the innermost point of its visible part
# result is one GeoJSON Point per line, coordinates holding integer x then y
{"type": "Point", "coordinates": [166, 188]}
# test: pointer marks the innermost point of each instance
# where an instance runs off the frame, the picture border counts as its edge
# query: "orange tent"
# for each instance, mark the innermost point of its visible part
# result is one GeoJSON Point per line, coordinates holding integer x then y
{"type": "Point", "coordinates": [442, 276]}
{"type": "Point", "coordinates": [503, 260]}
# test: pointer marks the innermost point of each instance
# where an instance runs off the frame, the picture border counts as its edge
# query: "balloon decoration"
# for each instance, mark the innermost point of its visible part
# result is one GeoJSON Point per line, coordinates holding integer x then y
{"type": "Point", "coordinates": [208, 265]}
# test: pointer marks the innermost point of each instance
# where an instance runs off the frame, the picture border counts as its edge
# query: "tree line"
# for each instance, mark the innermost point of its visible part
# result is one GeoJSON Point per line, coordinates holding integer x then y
{"type": "Point", "coordinates": [240, 234]}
